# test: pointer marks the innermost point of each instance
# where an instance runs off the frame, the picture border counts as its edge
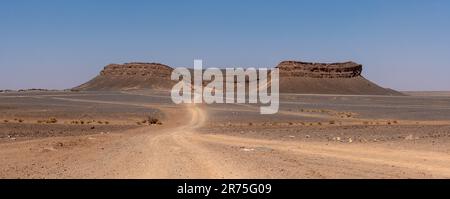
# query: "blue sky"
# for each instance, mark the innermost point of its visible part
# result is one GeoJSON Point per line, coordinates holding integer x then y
{"type": "Point", "coordinates": [403, 44]}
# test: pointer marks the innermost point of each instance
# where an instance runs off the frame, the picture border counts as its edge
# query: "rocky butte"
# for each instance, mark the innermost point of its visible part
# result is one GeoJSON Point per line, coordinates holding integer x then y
{"type": "Point", "coordinates": [295, 77]}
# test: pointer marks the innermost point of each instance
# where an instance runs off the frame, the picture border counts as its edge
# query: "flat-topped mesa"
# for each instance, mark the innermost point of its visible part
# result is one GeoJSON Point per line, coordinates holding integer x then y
{"type": "Point", "coordinates": [137, 69]}
{"type": "Point", "coordinates": [319, 70]}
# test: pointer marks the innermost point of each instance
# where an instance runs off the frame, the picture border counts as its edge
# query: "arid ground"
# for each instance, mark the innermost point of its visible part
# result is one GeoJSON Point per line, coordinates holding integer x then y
{"type": "Point", "coordinates": [142, 134]}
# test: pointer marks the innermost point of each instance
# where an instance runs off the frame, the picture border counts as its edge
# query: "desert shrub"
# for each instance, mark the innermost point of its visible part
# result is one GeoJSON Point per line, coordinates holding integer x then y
{"type": "Point", "coordinates": [152, 120]}
{"type": "Point", "coordinates": [332, 122]}
{"type": "Point", "coordinates": [106, 122]}
{"type": "Point", "coordinates": [52, 120]}
{"type": "Point", "coordinates": [5, 121]}
{"type": "Point", "coordinates": [20, 120]}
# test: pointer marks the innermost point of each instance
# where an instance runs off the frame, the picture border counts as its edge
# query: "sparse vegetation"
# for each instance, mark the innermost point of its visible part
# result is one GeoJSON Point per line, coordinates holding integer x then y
{"type": "Point", "coordinates": [332, 122]}
{"type": "Point", "coordinates": [52, 120]}
{"type": "Point", "coordinates": [5, 121]}
{"type": "Point", "coordinates": [153, 121]}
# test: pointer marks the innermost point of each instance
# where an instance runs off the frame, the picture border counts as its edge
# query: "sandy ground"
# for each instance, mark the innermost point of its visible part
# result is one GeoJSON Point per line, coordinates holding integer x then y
{"type": "Point", "coordinates": [337, 139]}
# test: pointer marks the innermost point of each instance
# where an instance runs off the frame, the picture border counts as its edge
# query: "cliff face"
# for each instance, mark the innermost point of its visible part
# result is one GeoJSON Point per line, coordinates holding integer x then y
{"type": "Point", "coordinates": [137, 69]}
{"type": "Point", "coordinates": [319, 70]}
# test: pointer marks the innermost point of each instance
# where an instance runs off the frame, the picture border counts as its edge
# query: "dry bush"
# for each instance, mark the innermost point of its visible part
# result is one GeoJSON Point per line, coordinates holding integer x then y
{"type": "Point", "coordinates": [52, 120]}
{"type": "Point", "coordinates": [153, 121]}
{"type": "Point", "coordinates": [332, 122]}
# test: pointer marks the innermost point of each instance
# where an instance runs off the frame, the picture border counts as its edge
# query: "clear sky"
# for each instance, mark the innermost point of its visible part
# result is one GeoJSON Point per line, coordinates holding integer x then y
{"type": "Point", "coordinates": [403, 44]}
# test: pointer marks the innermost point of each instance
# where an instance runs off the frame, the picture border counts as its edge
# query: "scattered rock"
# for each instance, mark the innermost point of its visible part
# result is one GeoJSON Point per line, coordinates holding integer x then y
{"type": "Point", "coordinates": [411, 137]}
{"type": "Point", "coordinates": [247, 149]}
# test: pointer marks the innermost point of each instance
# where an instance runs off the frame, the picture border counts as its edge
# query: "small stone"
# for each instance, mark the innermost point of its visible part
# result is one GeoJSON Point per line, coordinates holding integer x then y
{"type": "Point", "coordinates": [409, 137]}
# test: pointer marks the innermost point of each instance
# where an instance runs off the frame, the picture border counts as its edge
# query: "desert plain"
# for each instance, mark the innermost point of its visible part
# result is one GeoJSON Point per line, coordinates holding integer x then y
{"type": "Point", "coordinates": [141, 133]}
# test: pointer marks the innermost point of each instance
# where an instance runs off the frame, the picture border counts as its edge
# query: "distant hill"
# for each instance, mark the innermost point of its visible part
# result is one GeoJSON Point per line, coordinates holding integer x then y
{"type": "Point", "coordinates": [327, 78]}
{"type": "Point", "coordinates": [295, 77]}
{"type": "Point", "coordinates": [130, 76]}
